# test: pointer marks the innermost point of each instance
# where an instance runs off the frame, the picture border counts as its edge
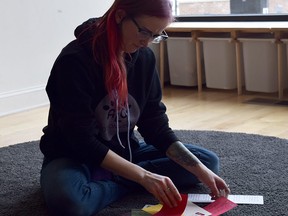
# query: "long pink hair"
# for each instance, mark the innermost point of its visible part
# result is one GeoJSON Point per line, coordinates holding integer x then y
{"type": "Point", "coordinates": [107, 41]}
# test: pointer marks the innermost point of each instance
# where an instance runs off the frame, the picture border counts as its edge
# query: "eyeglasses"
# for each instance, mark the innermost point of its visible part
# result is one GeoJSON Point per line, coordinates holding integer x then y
{"type": "Point", "coordinates": [145, 34]}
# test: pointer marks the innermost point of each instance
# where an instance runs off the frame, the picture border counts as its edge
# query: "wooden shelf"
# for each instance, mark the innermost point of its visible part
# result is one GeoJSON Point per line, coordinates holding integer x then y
{"type": "Point", "coordinates": [234, 30]}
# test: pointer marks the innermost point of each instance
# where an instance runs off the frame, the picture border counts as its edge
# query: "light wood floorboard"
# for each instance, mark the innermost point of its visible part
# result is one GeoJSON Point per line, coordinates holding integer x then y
{"type": "Point", "coordinates": [221, 110]}
{"type": "Point", "coordinates": [224, 110]}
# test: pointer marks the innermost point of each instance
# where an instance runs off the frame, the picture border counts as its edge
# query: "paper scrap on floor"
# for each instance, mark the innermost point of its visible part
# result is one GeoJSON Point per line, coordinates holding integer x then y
{"type": "Point", "coordinates": [220, 206]}
{"type": "Point", "coordinates": [188, 208]}
{"type": "Point", "coordinates": [166, 210]}
{"type": "Point", "coordinates": [239, 199]}
{"type": "Point", "coordinates": [138, 212]}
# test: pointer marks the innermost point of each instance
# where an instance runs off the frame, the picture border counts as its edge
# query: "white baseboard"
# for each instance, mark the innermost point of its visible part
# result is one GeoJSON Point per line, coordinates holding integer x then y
{"type": "Point", "coordinates": [22, 99]}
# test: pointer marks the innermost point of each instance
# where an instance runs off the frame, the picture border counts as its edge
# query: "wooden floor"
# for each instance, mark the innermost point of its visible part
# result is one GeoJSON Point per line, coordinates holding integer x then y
{"type": "Point", "coordinates": [221, 110]}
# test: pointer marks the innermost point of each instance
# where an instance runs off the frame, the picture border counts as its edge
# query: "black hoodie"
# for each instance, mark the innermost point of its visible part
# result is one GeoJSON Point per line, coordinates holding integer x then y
{"type": "Point", "coordinates": [83, 123]}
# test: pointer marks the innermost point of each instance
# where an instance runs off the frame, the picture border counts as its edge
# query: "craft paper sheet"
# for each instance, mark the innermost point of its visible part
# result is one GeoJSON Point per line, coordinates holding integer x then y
{"type": "Point", "coordinates": [220, 206]}
{"type": "Point", "coordinates": [239, 199]}
{"type": "Point", "coordinates": [188, 208]}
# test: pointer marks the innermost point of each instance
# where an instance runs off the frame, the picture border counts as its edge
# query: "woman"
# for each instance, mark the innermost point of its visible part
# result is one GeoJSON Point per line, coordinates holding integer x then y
{"type": "Point", "coordinates": [102, 86]}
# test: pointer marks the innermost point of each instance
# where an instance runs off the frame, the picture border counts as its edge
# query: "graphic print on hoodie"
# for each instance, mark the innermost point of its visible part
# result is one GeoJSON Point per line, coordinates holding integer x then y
{"type": "Point", "coordinates": [106, 115]}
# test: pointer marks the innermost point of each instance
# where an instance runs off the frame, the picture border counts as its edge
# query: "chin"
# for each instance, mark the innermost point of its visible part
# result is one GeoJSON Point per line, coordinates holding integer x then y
{"type": "Point", "coordinates": [135, 50]}
{"type": "Point", "coordinates": [131, 50]}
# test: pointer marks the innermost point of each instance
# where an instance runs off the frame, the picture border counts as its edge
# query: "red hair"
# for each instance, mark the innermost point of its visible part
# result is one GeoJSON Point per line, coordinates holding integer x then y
{"type": "Point", "coordinates": [107, 41]}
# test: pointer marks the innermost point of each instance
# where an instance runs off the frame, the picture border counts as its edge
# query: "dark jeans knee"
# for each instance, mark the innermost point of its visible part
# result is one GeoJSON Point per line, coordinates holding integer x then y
{"type": "Point", "coordinates": [68, 208]}
{"type": "Point", "coordinates": [213, 163]}
{"type": "Point", "coordinates": [207, 157]}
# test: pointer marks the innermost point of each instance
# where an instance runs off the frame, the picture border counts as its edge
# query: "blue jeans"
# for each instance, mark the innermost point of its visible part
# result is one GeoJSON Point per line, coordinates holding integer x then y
{"type": "Point", "coordinates": [69, 189]}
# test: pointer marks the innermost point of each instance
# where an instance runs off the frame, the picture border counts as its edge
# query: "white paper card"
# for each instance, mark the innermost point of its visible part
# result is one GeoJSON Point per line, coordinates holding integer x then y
{"type": "Point", "coordinates": [239, 199]}
{"type": "Point", "coordinates": [193, 209]}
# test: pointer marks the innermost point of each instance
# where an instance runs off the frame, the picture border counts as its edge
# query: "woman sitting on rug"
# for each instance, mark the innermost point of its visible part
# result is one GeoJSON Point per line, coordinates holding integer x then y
{"type": "Point", "coordinates": [102, 86]}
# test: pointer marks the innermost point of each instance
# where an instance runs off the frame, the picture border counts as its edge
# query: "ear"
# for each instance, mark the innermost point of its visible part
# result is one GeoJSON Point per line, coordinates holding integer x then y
{"type": "Point", "coordinates": [120, 15]}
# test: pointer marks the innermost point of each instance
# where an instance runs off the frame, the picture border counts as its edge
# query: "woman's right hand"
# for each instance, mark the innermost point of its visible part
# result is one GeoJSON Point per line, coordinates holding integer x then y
{"type": "Point", "coordinates": [162, 188]}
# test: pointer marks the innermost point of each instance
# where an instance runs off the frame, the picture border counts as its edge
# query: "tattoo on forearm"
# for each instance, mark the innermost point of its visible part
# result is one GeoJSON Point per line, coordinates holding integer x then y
{"type": "Point", "coordinates": [180, 154]}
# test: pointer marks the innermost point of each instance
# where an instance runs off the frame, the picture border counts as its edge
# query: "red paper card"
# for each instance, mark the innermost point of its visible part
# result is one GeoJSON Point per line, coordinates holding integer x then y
{"type": "Point", "coordinates": [220, 206]}
{"type": "Point", "coordinates": [177, 211]}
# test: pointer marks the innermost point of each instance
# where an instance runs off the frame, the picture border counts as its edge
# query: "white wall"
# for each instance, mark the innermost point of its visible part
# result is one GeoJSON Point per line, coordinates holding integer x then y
{"type": "Point", "coordinates": [32, 34]}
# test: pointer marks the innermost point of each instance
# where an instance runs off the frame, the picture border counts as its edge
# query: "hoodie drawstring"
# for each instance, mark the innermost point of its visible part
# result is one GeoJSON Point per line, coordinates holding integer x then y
{"type": "Point", "coordinates": [128, 131]}
{"type": "Point", "coordinates": [128, 128]}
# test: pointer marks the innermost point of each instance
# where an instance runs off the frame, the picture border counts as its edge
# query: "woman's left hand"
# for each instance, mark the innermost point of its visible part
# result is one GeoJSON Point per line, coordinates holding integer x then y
{"type": "Point", "coordinates": [217, 185]}
{"type": "Point", "coordinates": [181, 155]}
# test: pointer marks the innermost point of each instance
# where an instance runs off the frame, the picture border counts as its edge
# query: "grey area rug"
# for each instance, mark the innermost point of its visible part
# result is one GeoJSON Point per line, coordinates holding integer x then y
{"type": "Point", "coordinates": [251, 165]}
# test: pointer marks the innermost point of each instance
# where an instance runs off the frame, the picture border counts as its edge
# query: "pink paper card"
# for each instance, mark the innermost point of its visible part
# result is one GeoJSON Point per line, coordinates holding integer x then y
{"type": "Point", "coordinates": [177, 211]}
{"type": "Point", "coordinates": [220, 206]}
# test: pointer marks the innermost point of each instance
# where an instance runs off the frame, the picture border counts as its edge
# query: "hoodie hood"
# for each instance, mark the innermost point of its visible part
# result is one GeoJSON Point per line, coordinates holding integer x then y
{"type": "Point", "coordinates": [84, 34]}
{"type": "Point", "coordinates": [86, 30]}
